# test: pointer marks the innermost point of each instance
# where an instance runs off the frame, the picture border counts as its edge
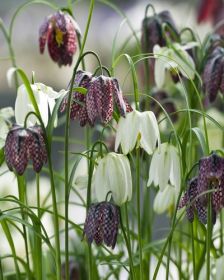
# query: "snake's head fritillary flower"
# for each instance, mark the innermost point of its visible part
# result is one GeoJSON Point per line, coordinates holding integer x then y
{"type": "Point", "coordinates": [102, 223]}
{"type": "Point", "coordinates": [59, 31]}
{"type": "Point", "coordinates": [113, 174]}
{"type": "Point", "coordinates": [211, 177]}
{"type": "Point", "coordinates": [22, 145]}
{"type": "Point", "coordinates": [78, 104]}
{"type": "Point", "coordinates": [165, 167]}
{"type": "Point", "coordinates": [152, 30]}
{"type": "Point", "coordinates": [137, 127]}
{"type": "Point", "coordinates": [213, 74]}
{"type": "Point", "coordinates": [45, 97]}
{"type": "Point", "coordinates": [99, 100]}
{"type": "Point", "coordinates": [191, 200]}
{"type": "Point", "coordinates": [176, 58]}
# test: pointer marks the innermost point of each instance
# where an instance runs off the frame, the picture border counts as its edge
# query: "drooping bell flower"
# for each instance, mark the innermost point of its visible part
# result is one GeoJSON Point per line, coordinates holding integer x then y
{"type": "Point", "coordinates": [98, 102]}
{"type": "Point", "coordinates": [78, 105]}
{"type": "Point", "coordinates": [165, 167]}
{"type": "Point", "coordinates": [191, 200]}
{"type": "Point", "coordinates": [137, 127]}
{"type": "Point", "coordinates": [113, 174]}
{"type": "Point", "coordinates": [22, 145]}
{"type": "Point", "coordinates": [152, 30]}
{"type": "Point", "coordinates": [59, 31]}
{"type": "Point", "coordinates": [102, 223]}
{"type": "Point", "coordinates": [211, 176]}
{"type": "Point", "coordinates": [213, 74]}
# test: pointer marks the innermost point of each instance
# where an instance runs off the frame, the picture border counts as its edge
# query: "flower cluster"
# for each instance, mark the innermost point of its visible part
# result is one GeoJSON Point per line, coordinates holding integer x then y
{"type": "Point", "coordinates": [97, 103]}
{"type": "Point", "coordinates": [210, 178]}
{"type": "Point", "coordinates": [22, 145]}
{"type": "Point", "coordinates": [60, 32]}
{"type": "Point", "coordinates": [102, 223]}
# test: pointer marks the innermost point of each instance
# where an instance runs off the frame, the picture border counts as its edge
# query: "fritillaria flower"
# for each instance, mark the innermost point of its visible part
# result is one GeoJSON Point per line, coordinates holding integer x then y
{"type": "Point", "coordinates": [59, 31]}
{"type": "Point", "coordinates": [165, 200]}
{"type": "Point", "coordinates": [102, 224]}
{"type": "Point", "coordinates": [193, 204]}
{"type": "Point", "coordinates": [45, 97]}
{"type": "Point", "coordinates": [213, 74]}
{"type": "Point", "coordinates": [97, 104]}
{"type": "Point", "coordinates": [173, 58]}
{"type": "Point", "coordinates": [113, 174]}
{"type": "Point", "coordinates": [165, 167]}
{"type": "Point", "coordinates": [22, 145]}
{"type": "Point", "coordinates": [152, 30]}
{"type": "Point", "coordinates": [137, 127]}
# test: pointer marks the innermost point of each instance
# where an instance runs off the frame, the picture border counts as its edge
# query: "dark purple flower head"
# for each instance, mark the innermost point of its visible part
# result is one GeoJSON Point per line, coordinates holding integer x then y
{"type": "Point", "coordinates": [78, 105]}
{"type": "Point", "coordinates": [191, 200]}
{"type": "Point", "coordinates": [22, 145]}
{"type": "Point", "coordinates": [60, 32]}
{"type": "Point", "coordinates": [211, 176]}
{"type": "Point", "coordinates": [152, 32]}
{"type": "Point", "coordinates": [102, 223]}
{"type": "Point", "coordinates": [98, 102]}
{"type": "Point", "coordinates": [213, 74]}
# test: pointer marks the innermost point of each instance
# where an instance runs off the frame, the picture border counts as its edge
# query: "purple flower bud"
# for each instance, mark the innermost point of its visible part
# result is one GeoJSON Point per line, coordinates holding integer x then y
{"type": "Point", "coordinates": [60, 32]}
{"type": "Point", "coordinates": [152, 32]}
{"type": "Point", "coordinates": [213, 74]}
{"type": "Point", "coordinates": [22, 145]}
{"type": "Point", "coordinates": [102, 223]}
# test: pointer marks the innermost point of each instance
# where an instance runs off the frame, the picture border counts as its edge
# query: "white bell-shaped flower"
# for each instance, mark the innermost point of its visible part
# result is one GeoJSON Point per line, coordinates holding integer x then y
{"type": "Point", "coordinates": [175, 57]}
{"type": "Point", "coordinates": [165, 200]}
{"type": "Point", "coordinates": [165, 167]}
{"type": "Point", "coordinates": [113, 174]}
{"type": "Point", "coordinates": [80, 179]}
{"type": "Point", "coordinates": [137, 126]}
{"type": "Point", "coordinates": [45, 97]}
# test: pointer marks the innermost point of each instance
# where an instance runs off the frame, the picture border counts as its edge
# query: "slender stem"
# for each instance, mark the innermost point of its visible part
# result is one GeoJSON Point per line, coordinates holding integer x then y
{"type": "Point", "coordinates": [1, 270]}
{"type": "Point", "coordinates": [193, 251]}
{"type": "Point", "coordinates": [221, 232]}
{"type": "Point", "coordinates": [208, 237]}
{"type": "Point", "coordinates": [128, 245]}
{"type": "Point", "coordinates": [11, 51]}
{"type": "Point", "coordinates": [139, 210]}
{"type": "Point", "coordinates": [67, 126]}
{"type": "Point", "coordinates": [22, 198]}
{"type": "Point", "coordinates": [38, 195]}
{"type": "Point", "coordinates": [55, 216]}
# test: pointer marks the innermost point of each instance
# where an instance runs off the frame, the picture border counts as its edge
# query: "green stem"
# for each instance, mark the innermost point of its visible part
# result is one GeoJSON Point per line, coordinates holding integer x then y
{"type": "Point", "coordinates": [193, 251]}
{"type": "Point", "coordinates": [67, 126]}
{"type": "Point", "coordinates": [128, 245]}
{"type": "Point", "coordinates": [221, 232]}
{"type": "Point", "coordinates": [1, 270]}
{"type": "Point", "coordinates": [11, 51]}
{"type": "Point", "coordinates": [22, 197]}
{"type": "Point", "coordinates": [208, 237]}
{"type": "Point", "coordinates": [139, 210]}
{"type": "Point", "coordinates": [38, 195]}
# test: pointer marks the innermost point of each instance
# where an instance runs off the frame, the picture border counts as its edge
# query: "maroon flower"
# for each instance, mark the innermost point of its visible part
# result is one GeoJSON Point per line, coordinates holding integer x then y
{"type": "Point", "coordinates": [210, 10]}
{"type": "Point", "coordinates": [193, 204]}
{"type": "Point", "coordinates": [22, 145]}
{"type": "Point", "coordinates": [102, 223]}
{"type": "Point", "coordinates": [60, 32]}
{"type": "Point", "coordinates": [213, 74]}
{"type": "Point", "coordinates": [97, 104]}
{"type": "Point", "coordinates": [78, 105]}
{"type": "Point", "coordinates": [152, 30]}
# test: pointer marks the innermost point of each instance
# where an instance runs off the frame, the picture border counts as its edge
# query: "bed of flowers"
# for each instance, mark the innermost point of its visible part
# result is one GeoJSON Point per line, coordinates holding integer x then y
{"type": "Point", "coordinates": [157, 149]}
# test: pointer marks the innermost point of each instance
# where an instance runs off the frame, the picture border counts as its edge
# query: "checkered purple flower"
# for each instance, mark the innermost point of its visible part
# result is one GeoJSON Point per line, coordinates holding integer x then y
{"type": "Point", "coordinates": [152, 33]}
{"type": "Point", "coordinates": [60, 32]}
{"type": "Point", "coordinates": [102, 223]}
{"type": "Point", "coordinates": [98, 103]}
{"type": "Point", "coordinates": [22, 145]}
{"type": "Point", "coordinates": [213, 74]}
